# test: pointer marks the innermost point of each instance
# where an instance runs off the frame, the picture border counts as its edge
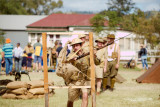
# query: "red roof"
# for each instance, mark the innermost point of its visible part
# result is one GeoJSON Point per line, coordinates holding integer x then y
{"type": "Point", "coordinates": [64, 20]}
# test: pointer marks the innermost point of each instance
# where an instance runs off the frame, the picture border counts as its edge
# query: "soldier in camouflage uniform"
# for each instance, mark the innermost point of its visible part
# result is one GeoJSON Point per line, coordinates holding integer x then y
{"type": "Point", "coordinates": [111, 63]}
{"type": "Point", "coordinates": [101, 55]}
{"type": "Point", "coordinates": [82, 80]}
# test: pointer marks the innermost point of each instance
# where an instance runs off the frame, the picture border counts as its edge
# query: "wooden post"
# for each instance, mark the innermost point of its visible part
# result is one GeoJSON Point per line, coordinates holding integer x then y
{"type": "Point", "coordinates": [92, 69]}
{"type": "Point", "coordinates": [45, 67]}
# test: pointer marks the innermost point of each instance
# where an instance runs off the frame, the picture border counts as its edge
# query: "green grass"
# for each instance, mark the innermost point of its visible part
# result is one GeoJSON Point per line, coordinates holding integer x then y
{"type": "Point", "coordinates": [128, 94]}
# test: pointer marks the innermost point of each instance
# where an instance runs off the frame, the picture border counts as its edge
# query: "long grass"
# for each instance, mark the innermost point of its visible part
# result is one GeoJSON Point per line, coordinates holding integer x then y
{"type": "Point", "coordinates": [128, 94]}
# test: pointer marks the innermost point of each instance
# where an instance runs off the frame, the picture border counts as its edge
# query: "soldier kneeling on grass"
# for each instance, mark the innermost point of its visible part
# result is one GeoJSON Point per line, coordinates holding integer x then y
{"type": "Point", "coordinates": [112, 63]}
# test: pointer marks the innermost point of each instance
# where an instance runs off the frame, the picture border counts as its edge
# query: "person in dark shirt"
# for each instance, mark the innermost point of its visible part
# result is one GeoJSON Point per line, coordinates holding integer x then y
{"type": "Point", "coordinates": [143, 56]}
{"type": "Point", "coordinates": [58, 50]}
{"type": "Point", "coordinates": [68, 51]}
{"type": "Point", "coordinates": [24, 60]}
{"type": "Point", "coordinates": [29, 61]}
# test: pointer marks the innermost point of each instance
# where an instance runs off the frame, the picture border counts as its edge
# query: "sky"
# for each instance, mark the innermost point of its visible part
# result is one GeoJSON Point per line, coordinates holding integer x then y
{"type": "Point", "coordinates": [99, 5]}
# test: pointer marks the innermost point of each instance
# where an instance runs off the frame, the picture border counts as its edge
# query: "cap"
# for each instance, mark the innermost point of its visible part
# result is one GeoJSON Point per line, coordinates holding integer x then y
{"type": "Point", "coordinates": [8, 40]}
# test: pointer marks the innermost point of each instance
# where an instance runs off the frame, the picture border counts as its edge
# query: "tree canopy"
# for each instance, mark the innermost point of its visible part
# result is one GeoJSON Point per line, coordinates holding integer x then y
{"type": "Point", "coordinates": [2, 39]}
{"type": "Point", "coordinates": [122, 7]}
{"type": "Point", "coordinates": [33, 7]}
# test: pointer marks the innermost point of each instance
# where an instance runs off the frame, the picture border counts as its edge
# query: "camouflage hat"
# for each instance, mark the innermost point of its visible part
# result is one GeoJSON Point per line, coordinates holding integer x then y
{"type": "Point", "coordinates": [81, 36]}
{"type": "Point", "coordinates": [99, 40]}
{"type": "Point", "coordinates": [112, 36]}
{"type": "Point", "coordinates": [76, 41]}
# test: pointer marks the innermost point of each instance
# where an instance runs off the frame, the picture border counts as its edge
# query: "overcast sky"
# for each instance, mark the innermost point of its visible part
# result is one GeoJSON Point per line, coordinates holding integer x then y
{"type": "Point", "coordinates": [98, 5]}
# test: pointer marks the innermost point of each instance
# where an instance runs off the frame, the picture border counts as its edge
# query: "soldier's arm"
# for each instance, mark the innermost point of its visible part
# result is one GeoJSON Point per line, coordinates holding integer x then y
{"type": "Point", "coordinates": [105, 65]}
{"type": "Point", "coordinates": [118, 59]}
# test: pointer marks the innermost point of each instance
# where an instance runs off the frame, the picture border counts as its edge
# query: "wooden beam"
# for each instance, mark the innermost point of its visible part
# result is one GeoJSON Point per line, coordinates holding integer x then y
{"type": "Point", "coordinates": [67, 33]}
{"type": "Point", "coordinates": [58, 87]}
{"type": "Point", "coordinates": [92, 69]}
{"type": "Point", "coordinates": [45, 67]}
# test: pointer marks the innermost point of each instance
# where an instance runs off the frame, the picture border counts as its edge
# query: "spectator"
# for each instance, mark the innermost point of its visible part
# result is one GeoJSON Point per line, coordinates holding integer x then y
{"type": "Point", "coordinates": [68, 51]}
{"type": "Point", "coordinates": [1, 54]}
{"type": "Point", "coordinates": [29, 51]}
{"type": "Point", "coordinates": [3, 63]}
{"type": "Point", "coordinates": [143, 56]}
{"type": "Point", "coordinates": [29, 61]}
{"type": "Point", "coordinates": [18, 57]}
{"type": "Point", "coordinates": [58, 50]}
{"type": "Point", "coordinates": [7, 49]}
{"type": "Point", "coordinates": [24, 60]}
{"type": "Point", "coordinates": [47, 59]}
{"type": "Point", "coordinates": [54, 56]}
{"type": "Point", "coordinates": [38, 54]}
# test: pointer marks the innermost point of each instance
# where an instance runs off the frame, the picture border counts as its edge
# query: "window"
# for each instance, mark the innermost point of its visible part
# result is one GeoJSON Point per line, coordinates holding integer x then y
{"type": "Point", "coordinates": [33, 38]}
{"type": "Point", "coordinates": [39, 35]}
{"type": "Point", "coordinates": [57, 36]}
{"type": "Point", "coordinates": [128, 46]}
{"type": "Point", "coordinates": [51, 36]}
{"type": "Point", "coordinates": [51, 40]}
{"type": "Point", "coordinates": [121, 44]}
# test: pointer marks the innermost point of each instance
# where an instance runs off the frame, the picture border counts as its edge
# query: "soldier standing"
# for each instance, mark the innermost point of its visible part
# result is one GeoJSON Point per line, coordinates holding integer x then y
{"type": "Point", "coordinates": [85, 44]}
{"type": "Point", "coordinates": [101, 55]}
{"type": "Point", "coordinates": [112, 63]}
{"type": "Point", "coordinates": [83, 65]}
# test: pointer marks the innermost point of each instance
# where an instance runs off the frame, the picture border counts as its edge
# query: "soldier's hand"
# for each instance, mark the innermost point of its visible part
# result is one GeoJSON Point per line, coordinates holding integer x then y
{"type": "Point", "coordinates": [117, 66]}
{"type": "Point", "coordinates": [73, 59]}
{"type": "Point", "coordinates": [105, 70]}
{"type": "Point", "coordinates": [95, 51]}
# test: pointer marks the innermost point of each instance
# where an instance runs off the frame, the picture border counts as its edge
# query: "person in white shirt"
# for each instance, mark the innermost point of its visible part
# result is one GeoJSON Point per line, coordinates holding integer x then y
{"type": "Point", "coordinates": [18, 51]}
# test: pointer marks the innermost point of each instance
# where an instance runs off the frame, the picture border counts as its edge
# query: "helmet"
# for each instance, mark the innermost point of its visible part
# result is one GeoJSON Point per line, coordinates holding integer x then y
{"type": "Point", "coordinates": [76, 41]}
{"type": "Point", "coordinates": [112, 36]}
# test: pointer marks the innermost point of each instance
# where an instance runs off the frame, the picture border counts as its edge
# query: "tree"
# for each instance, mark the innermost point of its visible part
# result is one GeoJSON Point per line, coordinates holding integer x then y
{"type": "Point", "coordinates": [11, 7]}
{"type": "Point", "coordinates": [97, 22]}
{"type": "Point", "coordinates": [34, 7]}
{"type": "Point", "coordinates": [112, 18]}
{"type": "Point", "coordinates": [142, 26]}
{"type": "Point", "coordinates": [39, 7]}
{"type": "Point", "coordinates": [2, 39]}
{"type": "Point", "coordinates": [123, 7]}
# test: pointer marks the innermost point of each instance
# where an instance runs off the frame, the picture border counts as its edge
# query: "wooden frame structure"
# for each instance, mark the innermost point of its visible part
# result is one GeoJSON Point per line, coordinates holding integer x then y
{"type": "Point", "coordinates": [46, 87]}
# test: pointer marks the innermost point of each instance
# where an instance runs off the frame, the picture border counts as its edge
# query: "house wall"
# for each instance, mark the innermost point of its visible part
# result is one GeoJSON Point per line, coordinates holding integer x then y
{"type": "Point", "coordinates": [129, 46]}
{"type": "Point", "coordinates": [17, 36]}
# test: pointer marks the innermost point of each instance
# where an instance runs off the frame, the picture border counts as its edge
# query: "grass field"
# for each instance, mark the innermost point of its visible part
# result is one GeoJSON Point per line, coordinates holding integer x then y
{"type": "Point", "coordinates": [127, 94]}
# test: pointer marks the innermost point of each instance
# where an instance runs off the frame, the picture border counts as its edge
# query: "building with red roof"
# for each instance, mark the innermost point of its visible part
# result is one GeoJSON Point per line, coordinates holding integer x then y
{"type": "Point", "coordinates": [60, 23]}
{"type": "Point", "coordinates": [78, 23]}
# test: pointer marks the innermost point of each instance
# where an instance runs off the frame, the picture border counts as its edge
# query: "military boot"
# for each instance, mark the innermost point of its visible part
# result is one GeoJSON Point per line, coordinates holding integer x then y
{"type": "Point", "coordinates": [69, 104]}
{"type": "Point", "coordinates": [104, 83]}
{"type": "Point", "coordinates": [112, 84]}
